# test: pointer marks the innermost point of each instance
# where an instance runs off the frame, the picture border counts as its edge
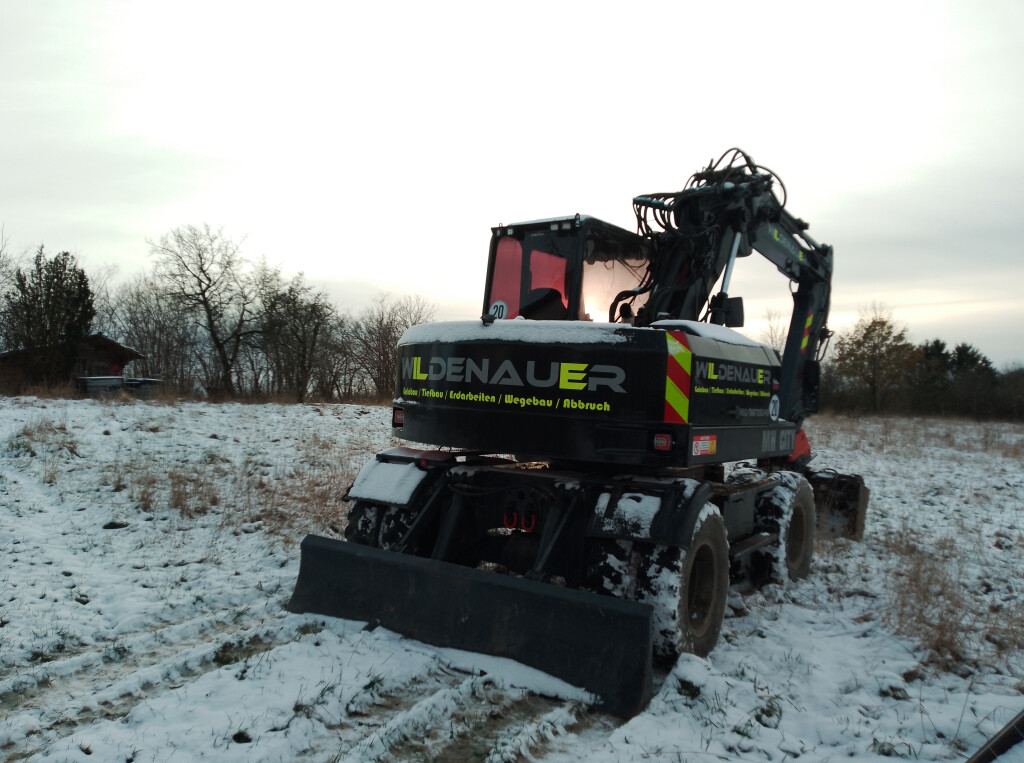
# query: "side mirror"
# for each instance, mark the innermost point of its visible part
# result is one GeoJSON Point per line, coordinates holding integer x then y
{"type": "Point", "coordinates": [726, 310]}
{"type": "Point", "coordinates": [734, 312]}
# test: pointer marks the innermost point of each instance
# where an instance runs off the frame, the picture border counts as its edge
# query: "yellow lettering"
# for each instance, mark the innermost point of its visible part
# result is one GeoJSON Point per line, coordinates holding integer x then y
{"type": "Point", "coordinates": [572, 376]}
{"type": "Point", "coordinates": [711, 371]}
{"type": "Point", "coordinates": [416, 373]}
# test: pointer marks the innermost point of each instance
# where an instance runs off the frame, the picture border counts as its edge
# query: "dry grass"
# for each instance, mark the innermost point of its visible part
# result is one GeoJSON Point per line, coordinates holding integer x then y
{"type": "Point", "coordinates": [142, 487]}
{"type": "Point", "coordinates": [52, 443]}
{"type": "Point", "coordinates": [951, 580]}
{"type": "Point", "coordinates": [926, 597]}
{"type": "Point", "coordinates": [911, 435]}
{"type": "Point", "coordinates": [64, 391]}
{"type": "Point", "coordinates": [193, 490]}
{"type": "Point", "coordinates": [301, 496]}
{"type": "Point", "coordinates": [310, 495]}
{"type": "Point", "coordinates": [43, 435]}
{"type": "Point", "coordinates": [932, 600]}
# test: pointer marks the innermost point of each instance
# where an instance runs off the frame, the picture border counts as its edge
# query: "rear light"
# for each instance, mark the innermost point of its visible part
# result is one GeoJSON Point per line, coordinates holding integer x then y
{"type": "Point", "coordinates": [663, 442]}
{"type": "Point", "coordinates": [397, 418]}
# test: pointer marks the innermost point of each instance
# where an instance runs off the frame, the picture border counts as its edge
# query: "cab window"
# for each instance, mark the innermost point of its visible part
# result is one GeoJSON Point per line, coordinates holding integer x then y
{"type": "Point", "coordinates": [530, 279]}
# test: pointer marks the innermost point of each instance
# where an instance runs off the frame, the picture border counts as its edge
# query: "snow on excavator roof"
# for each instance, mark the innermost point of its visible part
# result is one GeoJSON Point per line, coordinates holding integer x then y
{"type": "Point", "coordinates": [556, 332]}
{"type": "Point", "coordinates": [710, 331]}
{"type": "Point", "coordinates": [562, 332]}
{"type": "Point", "coordinates": [548, 221]}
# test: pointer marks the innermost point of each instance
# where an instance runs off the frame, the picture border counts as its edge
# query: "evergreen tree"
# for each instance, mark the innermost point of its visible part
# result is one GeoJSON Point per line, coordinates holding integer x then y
{"type": "Point", "coordinates": [931, 378]}
{"type": "Point", "coordinates": [48, 312]}
{"type": "Point", "coordinates": [974, 382]}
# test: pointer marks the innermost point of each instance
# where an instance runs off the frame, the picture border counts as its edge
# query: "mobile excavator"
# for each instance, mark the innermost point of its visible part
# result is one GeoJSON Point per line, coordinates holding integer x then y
{"type": "Point", "coordinates": [608, 452]}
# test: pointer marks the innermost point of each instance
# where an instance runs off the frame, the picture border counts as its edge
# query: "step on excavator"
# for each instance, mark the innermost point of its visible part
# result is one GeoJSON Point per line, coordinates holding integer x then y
{"type": "Point", "coordinates": [594, 460]}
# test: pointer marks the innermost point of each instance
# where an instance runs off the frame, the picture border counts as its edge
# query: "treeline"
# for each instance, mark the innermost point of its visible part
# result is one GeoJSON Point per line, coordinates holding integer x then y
{"type": "Point", "coordinates": [206, 319]}
{"type": "Point", "coordinates": [874, 368]}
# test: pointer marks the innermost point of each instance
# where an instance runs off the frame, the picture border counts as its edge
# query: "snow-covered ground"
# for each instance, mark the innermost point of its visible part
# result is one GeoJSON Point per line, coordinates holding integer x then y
{"type": "Point", "coordinates": [149, 551]}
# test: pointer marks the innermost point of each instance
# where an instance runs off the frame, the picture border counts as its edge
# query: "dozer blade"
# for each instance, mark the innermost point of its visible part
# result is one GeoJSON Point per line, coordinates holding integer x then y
{"type": "Point", "coordinates": [841, 501]}
{"type": "Point", "coordinates": [595, 642]}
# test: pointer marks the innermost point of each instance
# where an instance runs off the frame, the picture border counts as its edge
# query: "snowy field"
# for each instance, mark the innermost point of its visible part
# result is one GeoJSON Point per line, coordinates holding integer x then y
{"type": "Point", "coordinates": [149, 551]}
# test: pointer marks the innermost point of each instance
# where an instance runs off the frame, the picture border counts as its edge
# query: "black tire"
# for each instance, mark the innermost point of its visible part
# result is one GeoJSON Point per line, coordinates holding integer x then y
{"type": "Point", "coordinates": [688, 589]}
{"type": "Point", "coordinates": [788, 510]}
{"type": "Point", "coordinates": [610, 568]}
{"type": "Point", "coordinates": [394, 524]}
{"type": "Point", "coordinates": [378, 526]}
{"type": "Point", "coordinates": [363, 524]}
{"type": "Point", "coordinates": [800, 533]}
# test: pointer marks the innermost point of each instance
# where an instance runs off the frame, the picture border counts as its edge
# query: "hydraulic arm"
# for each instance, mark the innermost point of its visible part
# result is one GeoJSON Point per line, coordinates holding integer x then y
{"type": "Point", "coordinates": [727, 211]}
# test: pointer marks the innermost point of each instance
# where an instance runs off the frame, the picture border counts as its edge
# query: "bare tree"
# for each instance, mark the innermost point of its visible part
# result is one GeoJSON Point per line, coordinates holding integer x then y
{"type": "Point", "coordinates": [376, 333]}
{"type": "Point", "coordinates": [7, 264]}
{"type": "Point", "coordinates": [145, 318]}
{"type": "Point", "coordinates": [101, 281]}
{"type": "Point", "coordinates": [294, 323]}
{"type": "Point", "coordinates": [337, 373]}
{"type": "Point", "coordinates": [202, 270]}
{"type": "Point", "coordinates": [774, 334]}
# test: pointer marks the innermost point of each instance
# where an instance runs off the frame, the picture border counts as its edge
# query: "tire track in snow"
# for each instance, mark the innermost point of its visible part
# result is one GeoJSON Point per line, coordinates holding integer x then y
{"type": "Point", "coordinates": [151, 650]}
{"type": "Point", "coordinates": [49, 701]}
{"type": "Point", "coordinates": [459, 717]}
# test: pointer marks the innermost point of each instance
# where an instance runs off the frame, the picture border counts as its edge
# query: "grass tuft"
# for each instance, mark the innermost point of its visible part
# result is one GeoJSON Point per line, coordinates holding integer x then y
{"type": "Point", "coordinates": [932, 600]}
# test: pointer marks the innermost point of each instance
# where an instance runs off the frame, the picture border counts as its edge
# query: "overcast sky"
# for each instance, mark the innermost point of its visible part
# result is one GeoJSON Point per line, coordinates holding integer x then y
{"type": "Point", "coordinates": [373, 145]}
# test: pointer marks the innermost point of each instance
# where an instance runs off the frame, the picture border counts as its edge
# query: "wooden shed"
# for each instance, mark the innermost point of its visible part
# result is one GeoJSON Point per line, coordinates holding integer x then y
{"type": "Point", "coordinates": [98, 357]}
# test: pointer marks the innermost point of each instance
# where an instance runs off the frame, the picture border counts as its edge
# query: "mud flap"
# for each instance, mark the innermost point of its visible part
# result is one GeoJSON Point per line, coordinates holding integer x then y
{"type": "Point", "coordinates": [599, 643]}
{"type": "Point", "coordinates": [842, 503]}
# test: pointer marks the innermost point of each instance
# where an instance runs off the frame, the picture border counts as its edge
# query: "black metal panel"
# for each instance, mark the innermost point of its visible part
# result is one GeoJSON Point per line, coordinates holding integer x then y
{"type": "Point", "coordinates": [599, 643]}
{"type": "Point", "coordinates": [732, 385]}
{"type": "Point", "coordinates": [576, 400]}
{"type": "Point", "coordinates": [715, 445]}
{"type": "Point", "coordinates": [600, 400]}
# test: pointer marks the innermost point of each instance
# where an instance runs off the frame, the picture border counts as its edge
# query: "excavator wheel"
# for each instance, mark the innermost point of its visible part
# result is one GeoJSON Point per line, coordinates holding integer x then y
{"type": "Point", "coordinates": [363, 524]}
{"type": "Point", "coordinates": [609, 568]}
{"type": "Point", "coordinates": [688, 589]}
{"type": "Point", "coordinates": [394, 524]}
{"type": "Point", "coordinates": [377, 526]}
{"type": "Point", "coordinates": [789, 511]}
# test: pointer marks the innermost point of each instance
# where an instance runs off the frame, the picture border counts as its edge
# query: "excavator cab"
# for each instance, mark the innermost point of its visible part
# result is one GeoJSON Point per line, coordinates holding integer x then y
{"type": "Point", "coordinates": [577, 268]}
